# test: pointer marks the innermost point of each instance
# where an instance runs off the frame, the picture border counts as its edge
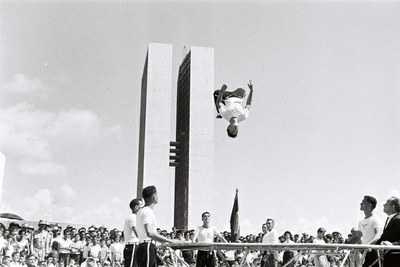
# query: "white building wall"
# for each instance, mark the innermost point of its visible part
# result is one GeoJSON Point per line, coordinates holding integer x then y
{"type": "Point", "coordinates": [201, 148]}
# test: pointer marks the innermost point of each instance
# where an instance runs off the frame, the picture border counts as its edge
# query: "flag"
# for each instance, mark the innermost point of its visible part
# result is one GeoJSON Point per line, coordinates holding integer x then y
{"type": "Point", "coordinates": [235, 228]}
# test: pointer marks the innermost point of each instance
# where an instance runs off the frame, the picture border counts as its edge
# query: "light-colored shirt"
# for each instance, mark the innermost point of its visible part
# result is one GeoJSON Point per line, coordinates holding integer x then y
{"type": "Point", "coordinates": [271, 237]}
{"type": "Point", "coordinates": [367, 227]}
{"type": "Point", "coordinates": [205, 235]}
{"type": "Point", "coordinates": [233, 108]}
{"type": "Point", "coordinates": [129, 234]}
{"type": "Point", "coordinates": [145, 216]}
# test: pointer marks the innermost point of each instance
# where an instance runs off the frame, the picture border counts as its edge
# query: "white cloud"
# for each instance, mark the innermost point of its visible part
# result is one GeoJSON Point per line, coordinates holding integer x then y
{"type": "Point", "coordinates": [21, 84]}
{"type": "Point", "coordinates": [42, 168]}
{"type": "Point", "coordinates": [68, 192]}
{"type": "Point", "coordinates": [31, 135]}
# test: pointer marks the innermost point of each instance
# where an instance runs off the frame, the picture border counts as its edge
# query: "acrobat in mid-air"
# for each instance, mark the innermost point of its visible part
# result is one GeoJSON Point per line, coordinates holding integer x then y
{"type": "Point", "coordinates": [230, 106]}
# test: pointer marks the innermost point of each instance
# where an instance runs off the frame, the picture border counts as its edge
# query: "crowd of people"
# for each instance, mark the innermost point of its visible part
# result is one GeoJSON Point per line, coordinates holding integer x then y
{"type": "Point", "coordinates": [49, 245]}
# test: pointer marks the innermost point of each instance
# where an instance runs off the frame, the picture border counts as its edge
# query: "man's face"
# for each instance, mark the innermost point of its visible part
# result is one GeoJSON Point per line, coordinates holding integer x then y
{"type": "Point", "coordinates": [233, 129]}
{"type": "Point", "coordinates": [155, 195]}
{"type": "Point", "coordinates": [206, 218]}
{"type": "Point", "coordinates": [365, 205]}
{"type": "Point", "coordinates": [31, 261]}
{"type": "Point", "coordinates": [321, 235]}
{"type": "Point", "coordinates": [270, 225]}
{"type": "Point", "coordinates": [139, 206]}
{"type": "Point", "coordinates": [16, 257]}
{"type": "Point", "coordinates": [264, 228]}
{"type": "Point", "coordinates": [387, 207]}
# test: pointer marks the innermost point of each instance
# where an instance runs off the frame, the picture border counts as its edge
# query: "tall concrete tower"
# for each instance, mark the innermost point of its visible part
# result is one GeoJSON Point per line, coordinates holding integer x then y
{"type": "Point", "coordinates": [155, 118]}
{"type": "Point", "coordinates": [194, 146]}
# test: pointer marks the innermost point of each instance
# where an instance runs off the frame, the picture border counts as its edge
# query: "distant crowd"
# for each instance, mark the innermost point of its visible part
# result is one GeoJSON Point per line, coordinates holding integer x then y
{"type": "Point", "coordinates": [49, 245]}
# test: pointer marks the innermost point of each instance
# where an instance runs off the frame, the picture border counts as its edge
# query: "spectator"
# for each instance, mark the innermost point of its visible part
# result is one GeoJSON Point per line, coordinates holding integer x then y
{"type": "Point", "coordinates": [15, 259]}
{"type": "Point", "coordinates": [320, 260]}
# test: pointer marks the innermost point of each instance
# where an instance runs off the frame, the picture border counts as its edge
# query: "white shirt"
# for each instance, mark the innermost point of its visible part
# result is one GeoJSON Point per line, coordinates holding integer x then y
{"type": "Point", "coordinates": [233, 108]}
{"type": "Point", "coordinates": [65, 245]}
{"type": "Point", "coordinates": [272, 237]}
{"type": "Point", "coordinates": [129, 234]}
{"type": "Point", "coordinates": [367, 227]}
{"type": "Point", "coordinates": [145, 216]}
{"type": "Point", "coordinates": [205, 235]}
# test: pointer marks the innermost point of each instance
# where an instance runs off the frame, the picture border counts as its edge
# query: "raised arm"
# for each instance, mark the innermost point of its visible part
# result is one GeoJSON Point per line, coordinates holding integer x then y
{"type": "Point", "coordinates": [249, 98]}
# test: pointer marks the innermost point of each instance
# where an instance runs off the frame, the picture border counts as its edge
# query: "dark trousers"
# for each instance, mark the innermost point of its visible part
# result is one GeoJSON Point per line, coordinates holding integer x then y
{"type": "Point", "coordinates": [205, 259]}
{"type": "Point", "coordinates": [370, 257]}
{"type": "Point", "coordinates": [146, 255]}
{"type": "Point", "coordinates": [269, 260]}
{"type": "Point", "coordinates": [288, 256]}
{"type": "Point", "coordinates": [392, 259]}
{"type": "Point", "coordinates": [129, 255]}
{"type": "Point", "coordinates": [76, 257]}
{"type": "Point", "coordinates": [240, 92]}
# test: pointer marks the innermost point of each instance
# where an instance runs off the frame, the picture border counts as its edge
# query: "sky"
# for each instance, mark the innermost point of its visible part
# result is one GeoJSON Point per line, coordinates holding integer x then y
{"type": "Point", "coordinates": [323, 129]}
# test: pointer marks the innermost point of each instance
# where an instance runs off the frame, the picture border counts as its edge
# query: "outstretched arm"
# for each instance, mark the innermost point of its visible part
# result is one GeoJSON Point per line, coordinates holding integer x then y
{"type": "Point", "coordinates": [249, 98]}
{"type": "Point", "coordinates": [221, 92]}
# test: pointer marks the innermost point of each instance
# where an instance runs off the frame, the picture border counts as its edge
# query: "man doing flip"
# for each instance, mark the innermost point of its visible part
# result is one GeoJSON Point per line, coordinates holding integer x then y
{"type": "Point", "coordinates": [230, 106]}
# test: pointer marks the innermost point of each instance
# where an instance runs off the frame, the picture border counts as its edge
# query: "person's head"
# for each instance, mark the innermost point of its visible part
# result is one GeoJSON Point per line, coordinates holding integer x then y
{"type": "Point", "coordinates": [392, 206]}
{"type": "Point", "coordinates": [233, 128]}
{"type": "Point", "coordinates": [15, 256]}
{"type": "Point", "coordinates": [67, 234]}
{"type": "Point", "coordinates": [135, 205]}
{"type": "Point", "coordinates": [31, 260]}
{"type": "Point", "coordinates": [61, 264]}
{"type": "Point", "coordinates": [288, 236]}
{"type": "Point", "coordinates": [296, 237]}
{"type": "Point", "coordinates": [149, 195]}
{"type": "Point", "coordinates": [96, 240]}
{"type": "Point", "coordinates": [264, 228]}
{"type": "Point", "coordinates": [49, 258]}
{"type": "Point", "coordinates": [368, 204]}
{"type": "Point", "coordinates": [90, 262]}
{"type": "Point", "coordinates": [270, 224]}
{"type": "Point", "coordinates": [42, 264]}
{"type": "Point", "coordinates": [187, 235]}
{"type": "Point", "coordinates": [321, 232]}
{"type": "Point", "coordinates": [6, 260]}
{"type": "Point", "coordinates": [205, 217]}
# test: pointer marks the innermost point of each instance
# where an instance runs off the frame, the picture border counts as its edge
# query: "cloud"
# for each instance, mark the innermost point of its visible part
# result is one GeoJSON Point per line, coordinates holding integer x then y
{"type": "Point", "coordinates": [42, 168]}
{"type": "Point", "coordinates": [68, 192]}
{"type": "Point", "coordinates": [21, 84]}
{"type": "Point", "coordinates": [31, 135]}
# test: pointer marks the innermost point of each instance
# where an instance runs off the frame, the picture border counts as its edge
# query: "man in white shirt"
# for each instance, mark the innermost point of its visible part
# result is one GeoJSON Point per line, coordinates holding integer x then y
{"type": "Point", "coordinates": [270, 258]}
{"type": "Point", "coordinates": [206, 234]}
{"type": "Point", "coordinates": [146, 228]}
{"type": "Point", "coordinates": [230, 107]}
{"type": "Point", "coordinates": [320, 260]}
{"type": "Point", "coordinates": [369, 231]}
{"type": "Point", "coordinates": [130, 233]}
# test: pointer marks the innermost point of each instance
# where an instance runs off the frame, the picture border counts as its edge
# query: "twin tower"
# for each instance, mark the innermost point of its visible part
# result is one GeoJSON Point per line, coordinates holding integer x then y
{"type": "Point", "coordinates": [191, 153]}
